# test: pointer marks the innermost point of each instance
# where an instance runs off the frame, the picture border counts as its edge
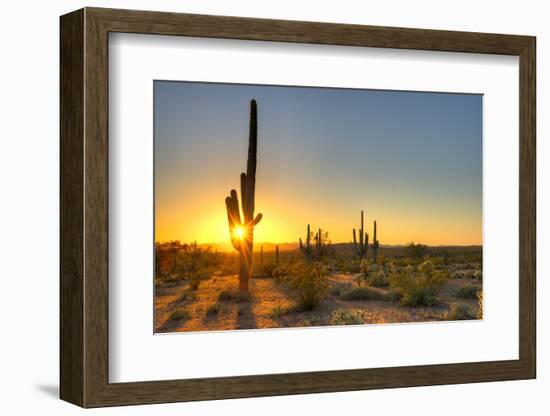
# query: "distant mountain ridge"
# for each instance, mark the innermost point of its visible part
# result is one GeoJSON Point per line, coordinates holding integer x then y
{"type": "Point", "coordinates": [268, 247]}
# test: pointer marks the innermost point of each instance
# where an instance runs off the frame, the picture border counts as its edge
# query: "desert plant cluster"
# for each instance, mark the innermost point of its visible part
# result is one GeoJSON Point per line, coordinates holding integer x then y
{"type": "Point", "coordinates": [315, 285]}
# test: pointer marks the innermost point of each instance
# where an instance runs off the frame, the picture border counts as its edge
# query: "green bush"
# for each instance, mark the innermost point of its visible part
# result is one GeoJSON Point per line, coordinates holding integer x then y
{"type": "Point", "coordinates": [311, 284]}
{"type": "Point", "coordinates": [419, 287]}
{"type": "Point", "coordinates": [362, 293]}
{"type": "Point", "coordinates": [467, 292]}
{"type": "Point", "coordinates": [340, 288]}
{"type": "Point", "coordinates": [347, 317]}
{"type": "Point", "coordinates": [394, 295]}
{"type": "Point", "coordinates": [460, 311]}
{"type": "Point", "coordinates": [419, 296]}
{"type": "Point", "coordinates": [179, 315]}
{"type": "Point", "coordinates": [378, 278]}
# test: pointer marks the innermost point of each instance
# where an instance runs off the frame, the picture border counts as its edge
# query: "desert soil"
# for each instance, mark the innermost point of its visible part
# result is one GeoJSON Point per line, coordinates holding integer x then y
{"type": "Point", "coordinates": [271, 306]}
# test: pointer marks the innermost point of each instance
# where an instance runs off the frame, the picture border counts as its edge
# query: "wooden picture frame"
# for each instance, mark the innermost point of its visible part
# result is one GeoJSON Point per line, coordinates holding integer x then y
{"type": "Point", "coordinates": [84, 207]}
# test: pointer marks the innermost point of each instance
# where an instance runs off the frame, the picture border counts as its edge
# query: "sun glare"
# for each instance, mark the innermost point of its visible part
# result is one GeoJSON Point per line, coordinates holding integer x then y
{"type": "Point", "coordinates": [239, 232]}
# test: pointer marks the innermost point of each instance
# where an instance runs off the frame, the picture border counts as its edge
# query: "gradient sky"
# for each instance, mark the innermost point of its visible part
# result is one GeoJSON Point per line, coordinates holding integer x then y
{"type": "Point", "coordinates": [410, 160]}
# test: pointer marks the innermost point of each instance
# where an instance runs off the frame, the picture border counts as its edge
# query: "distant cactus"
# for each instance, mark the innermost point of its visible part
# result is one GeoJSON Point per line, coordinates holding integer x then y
{"type": "Point", "coordinates": [362, 246]}
{"type": "Point", "coordinates": [262, 255]}
{"type": "Point", "coordinates": [317, 251]}
{"type": "Point", "coordinates": [277, 254]}
{"type": "Point", "coordinates": [307, 249]}
{"type": "Point", "coordinates": [375, 245]}
{"type": "Point", "coordinates": [241, 229]}
{"type": "Point", "coordinates": [320, 243]}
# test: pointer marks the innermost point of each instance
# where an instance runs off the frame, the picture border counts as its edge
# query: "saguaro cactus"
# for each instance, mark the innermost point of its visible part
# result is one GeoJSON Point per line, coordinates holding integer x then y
{"type": "Point", "coordinates": [241, 229]}
{"type": "Point", "coordinates": [276, 254]}
{"type": "Point", "coordinates": [374, 245]}
{"type": "Point", "coordinates": [361, 248]}
{"type": "Point", "coordinates": [319, 244]}
{"type": "Point", "coordinates": [307, 249]}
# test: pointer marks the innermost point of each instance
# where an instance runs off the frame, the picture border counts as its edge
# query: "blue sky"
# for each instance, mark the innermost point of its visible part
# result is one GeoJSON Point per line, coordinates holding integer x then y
{"type": "Point", "coordinates": [411, 160]}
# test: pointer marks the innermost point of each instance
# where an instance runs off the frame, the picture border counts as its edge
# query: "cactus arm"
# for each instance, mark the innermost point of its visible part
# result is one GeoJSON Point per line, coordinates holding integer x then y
{"type": "Point", "coordinates": [257, 219]}
{"type": "Point", "coordinates": [233, 220]}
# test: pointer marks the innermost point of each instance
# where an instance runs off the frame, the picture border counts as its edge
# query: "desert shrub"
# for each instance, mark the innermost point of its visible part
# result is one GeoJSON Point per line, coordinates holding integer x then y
{"type": "Point", "coordinates": [194, 264]}
{"type": "Point", "coordinates": [340, 288]}
{"type": "Point", "coordinates": [277, 311]}
{"type": "Point", "coordinates": [351, 266]}
{"type": "Point", "coordinates": [280, 272]}
{"type": "Point", "coordinates": [467, 292]}
{"type": "Point", "coordinates": [268, 268]}
{"type": "Point", "coordinates": [432, 279]}
{"type": "Point", "coordinates": [401, 278]}
{"type": "Point", "coordinates": [394, 295]}
{"type": "Point", "coordinates": [213, 309]}
{"type": "Point", "coordinates": [362, 293]}
{"type": "Point", "coordinates": [457, 275]}
{"type": "Point", "coordinates": [364, 273]}
{"type": "Point", "coordinates": [311, 284]}
{"type": "Point", "coordinates": [460, 311]}
{"type": "Point", "coordinates": [419, 296]}
{"type": "Point", "coordinates": [420, 287]}
{"type": "Point", "coordinates": [347, 317]}
{"type": "Point", "coordinates": [416, 251]}
{"type": "Point", "coordinates": [378, 278]}
{"type": "Point", "coordinates": [179, 315]}
{"type": "Point", "coordinates": [195, 280]}
{"type": "Point", "coordinates": [229, 266]}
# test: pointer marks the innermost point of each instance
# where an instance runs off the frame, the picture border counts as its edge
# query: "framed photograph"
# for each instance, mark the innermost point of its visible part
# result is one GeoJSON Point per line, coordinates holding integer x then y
{"type": "Point", "coordinates": [260, 207]}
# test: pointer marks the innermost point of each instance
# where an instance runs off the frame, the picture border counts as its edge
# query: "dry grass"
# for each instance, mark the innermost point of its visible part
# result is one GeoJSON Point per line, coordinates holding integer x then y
{"type": "Point", "coordinates": [273, 305]}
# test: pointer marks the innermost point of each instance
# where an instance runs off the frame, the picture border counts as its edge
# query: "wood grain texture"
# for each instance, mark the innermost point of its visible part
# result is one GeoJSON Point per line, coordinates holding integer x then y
{"type": "Point", "coordinates": [84, 207]}
{"type": "Point", "coordinates": [71, 213]}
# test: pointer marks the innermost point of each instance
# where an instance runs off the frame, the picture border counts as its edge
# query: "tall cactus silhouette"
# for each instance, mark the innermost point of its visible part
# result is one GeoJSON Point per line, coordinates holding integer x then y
{"type": "Point", "coordinates": [361, 248]}
{"type": "Point", "coordinates": [241, 229]}
{"type": "Point", "coordinates": [320, 244]}
{"type": "Point", "coordinates": [375, 245]}
{"type": "Point", "coordinates": [307, 248]}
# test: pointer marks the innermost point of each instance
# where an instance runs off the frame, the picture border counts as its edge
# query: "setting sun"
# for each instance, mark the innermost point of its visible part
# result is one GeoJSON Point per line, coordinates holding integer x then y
{"type": "Point", "coordinates": [239, 232]}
